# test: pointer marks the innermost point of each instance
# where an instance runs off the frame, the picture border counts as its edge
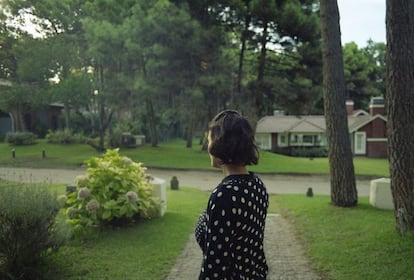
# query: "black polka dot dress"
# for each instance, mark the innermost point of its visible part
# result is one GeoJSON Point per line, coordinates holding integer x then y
{"type": "Point", "coordinates": [231, 230]}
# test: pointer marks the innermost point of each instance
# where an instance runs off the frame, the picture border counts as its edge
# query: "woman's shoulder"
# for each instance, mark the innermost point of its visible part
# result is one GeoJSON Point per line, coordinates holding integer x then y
{"type": "Point", "coordinates": [238, 183]}
{"type": "Point", "coordinates": [233, 183]}
{"type": "Point", "coordinates": [241, 180]}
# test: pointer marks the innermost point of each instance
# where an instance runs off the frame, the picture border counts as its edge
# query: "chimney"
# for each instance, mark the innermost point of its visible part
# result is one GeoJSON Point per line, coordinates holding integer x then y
{"type": "Point", "coordinates": [377, 107]}
{"type": "Point", "coordinates": [349, 107]}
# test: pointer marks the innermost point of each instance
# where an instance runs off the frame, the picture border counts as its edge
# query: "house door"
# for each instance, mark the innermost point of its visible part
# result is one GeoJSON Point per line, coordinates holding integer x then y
{"type": "Point", "coordinates": [360, 143]}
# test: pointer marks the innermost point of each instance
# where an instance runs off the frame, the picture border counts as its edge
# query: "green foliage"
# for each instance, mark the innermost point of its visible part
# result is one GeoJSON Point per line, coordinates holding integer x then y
{"type": "Point", "coordinates": [59, 136]}
{"type": "Point", "coordinates": [41, 130]}
{"type": "Point", "coordinates": [364, 70]}
{"type": "Point", "coordinates": [28, 230]}
{"type": "Point", "coordinates": [120, 128]}
{"type": "Point", "coordinates": [115, 191]}
{"type": "Point", "coordinates": [64, 136]}
{"type": "Point", "coordinates": [310, 152]}
{"type": "Point", "coordinates": [20, 138]}
{"type": "Point", "coordinates": [8, 69]}
{"type": "Point", "coordinates": [182, 56]}
{"type": "Point", "coordinates": [81, 123]}
{"type": "Point", "coordinates": [124, 254]}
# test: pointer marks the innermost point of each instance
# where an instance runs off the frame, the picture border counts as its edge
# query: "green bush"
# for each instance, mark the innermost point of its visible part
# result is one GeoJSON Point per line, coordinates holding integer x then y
{"type": "Point", "coordinates": [115, 191]}
{"type": "Point", "coordinates": [117, 135]}
{"type": "Point", "coordinates": [64, 136]}
{"type": "Point", "coordinates": [28, 230]}
{"type": "Point", "coordinates": [21, 138]}
{"type": "Point", "coordinates": [41, 130]}
{"type": "Point", "coordinates": [310, 152]}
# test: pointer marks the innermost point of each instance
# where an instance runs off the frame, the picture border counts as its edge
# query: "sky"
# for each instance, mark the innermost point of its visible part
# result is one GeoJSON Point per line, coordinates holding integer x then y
{"type": "Point", "coordinates": [361, 20]}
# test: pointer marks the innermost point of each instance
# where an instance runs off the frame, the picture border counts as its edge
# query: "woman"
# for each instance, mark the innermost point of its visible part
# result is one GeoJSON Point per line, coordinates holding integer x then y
{"type": "Point", "coordinates": [230, 231]}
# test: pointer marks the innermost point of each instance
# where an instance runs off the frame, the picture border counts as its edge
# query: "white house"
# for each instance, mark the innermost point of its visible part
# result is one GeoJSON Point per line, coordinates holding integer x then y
{"type": "Point", "coordinates": [285, 134]}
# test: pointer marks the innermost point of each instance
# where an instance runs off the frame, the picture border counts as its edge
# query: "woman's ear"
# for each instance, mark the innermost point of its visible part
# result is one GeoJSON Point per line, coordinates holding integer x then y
{"type": "Point", "coordinates": [216, 162]}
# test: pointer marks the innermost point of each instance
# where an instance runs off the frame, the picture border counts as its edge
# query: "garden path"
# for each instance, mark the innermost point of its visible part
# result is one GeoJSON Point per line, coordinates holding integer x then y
{"type": "Point", "coordinates": [285, 255]}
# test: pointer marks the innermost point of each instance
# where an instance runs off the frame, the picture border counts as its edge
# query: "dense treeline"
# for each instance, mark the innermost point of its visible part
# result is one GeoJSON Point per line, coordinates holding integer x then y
{"type": "Point", "coordinates": [164, 68]}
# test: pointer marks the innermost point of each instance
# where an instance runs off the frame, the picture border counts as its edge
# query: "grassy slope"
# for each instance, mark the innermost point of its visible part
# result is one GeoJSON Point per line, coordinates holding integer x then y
{"type": "Point", "coordinates": [174, 155]}
{"type": "Point", "coordinates": [349, 243]}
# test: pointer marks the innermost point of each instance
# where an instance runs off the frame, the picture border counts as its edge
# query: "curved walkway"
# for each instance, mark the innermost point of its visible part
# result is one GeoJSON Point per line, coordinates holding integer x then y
{"type": "Point", "coordinates": [285, 255]}
{"type": "Point", "coordinates": [204, 180]}
{"type": "Point", "coordinates": [284, 251]}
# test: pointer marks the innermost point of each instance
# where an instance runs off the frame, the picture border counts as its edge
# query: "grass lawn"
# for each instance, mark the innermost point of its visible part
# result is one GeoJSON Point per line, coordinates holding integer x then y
{"type": "Point", "coordinates": [349, 243]}
{"type": "Point", "coordinates": [57, 156]}
{"type": "Point", "coordinates": [343, 243]}
{"type": "Point", "coordinates": [174, 154]}
{"type": "Point", "coordinates": [143, 251]}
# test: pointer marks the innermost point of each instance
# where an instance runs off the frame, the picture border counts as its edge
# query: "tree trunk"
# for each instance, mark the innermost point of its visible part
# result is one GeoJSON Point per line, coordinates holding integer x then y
{"type": "Point", "coordinates": [242, 50]}
{"type": "Point", "coordinates": [101, 107]}
{"type": "Point", "coordinates": [259, 85]}
{"type": "Point", "coordinates": [18, 120]}
{"type": "Point", "coordinates": [342, 176]}
{"type": "Point", "coordinates": [190, 132]}
{"type": "Point", "coordinates": [101, 129]}
{"type": "Point", "coordinates": [67, 115]}
{"type": "Point", "coordinates": [262, 57]}
{"type": "Point", "coordinates": [400, 104]}
{"type": "Point", "coordinates": [151, 118]}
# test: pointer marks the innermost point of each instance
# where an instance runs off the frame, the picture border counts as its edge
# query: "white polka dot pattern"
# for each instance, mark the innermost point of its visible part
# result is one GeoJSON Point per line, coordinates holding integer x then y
{"type": "Point", "coordinates": [230, 232]}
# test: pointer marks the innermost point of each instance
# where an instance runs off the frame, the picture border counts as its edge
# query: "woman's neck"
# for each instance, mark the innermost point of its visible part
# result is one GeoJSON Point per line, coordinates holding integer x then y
{"type": "Point", "coordinates": [230, 169]}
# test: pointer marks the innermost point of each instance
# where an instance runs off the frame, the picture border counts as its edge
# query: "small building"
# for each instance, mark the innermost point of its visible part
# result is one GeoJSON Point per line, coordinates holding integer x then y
{"type": "Point", "coordinates": [36, 121]}
{"type": "Point", "coordinates": [6, 123]}
{"type": "Point", "coordinates": [285, 134]}
{"type": "Point", "coordinates": [47, 118]}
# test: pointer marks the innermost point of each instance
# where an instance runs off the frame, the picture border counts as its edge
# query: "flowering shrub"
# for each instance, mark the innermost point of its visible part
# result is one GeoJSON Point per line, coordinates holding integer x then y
{"type": "Point", "coordinates": [92, 206]}
{"type": "Point", "coordinates": [114, 191]}
{"type": "Point", "coordinates": [84, 193]}
{"type": "Point", "coordinates": [131, 196]}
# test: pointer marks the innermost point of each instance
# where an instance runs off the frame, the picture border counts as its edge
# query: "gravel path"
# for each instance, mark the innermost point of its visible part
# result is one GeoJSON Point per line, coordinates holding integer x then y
{"type": "Point", "coordinates": [284, 254]}
{"type": "Point", "coordinates": [204, 180]}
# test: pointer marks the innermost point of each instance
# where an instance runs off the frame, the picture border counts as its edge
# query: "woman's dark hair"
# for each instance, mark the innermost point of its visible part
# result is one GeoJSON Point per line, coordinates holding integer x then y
{"type": "Point", "coordinates": [232, 139]}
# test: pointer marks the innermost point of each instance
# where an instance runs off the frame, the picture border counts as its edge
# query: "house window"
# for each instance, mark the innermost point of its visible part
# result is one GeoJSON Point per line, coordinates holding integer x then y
{"type": "Point", "coordinates": [360, 142]}
{"type": "Point", "coordinates": [322, 140]}
{"type": "Point", "coordinates": [264, 141]}
{"type": "Point", "coordinates": [282, 140]}
{"type": "Point", "coordinates": [308, 139]}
